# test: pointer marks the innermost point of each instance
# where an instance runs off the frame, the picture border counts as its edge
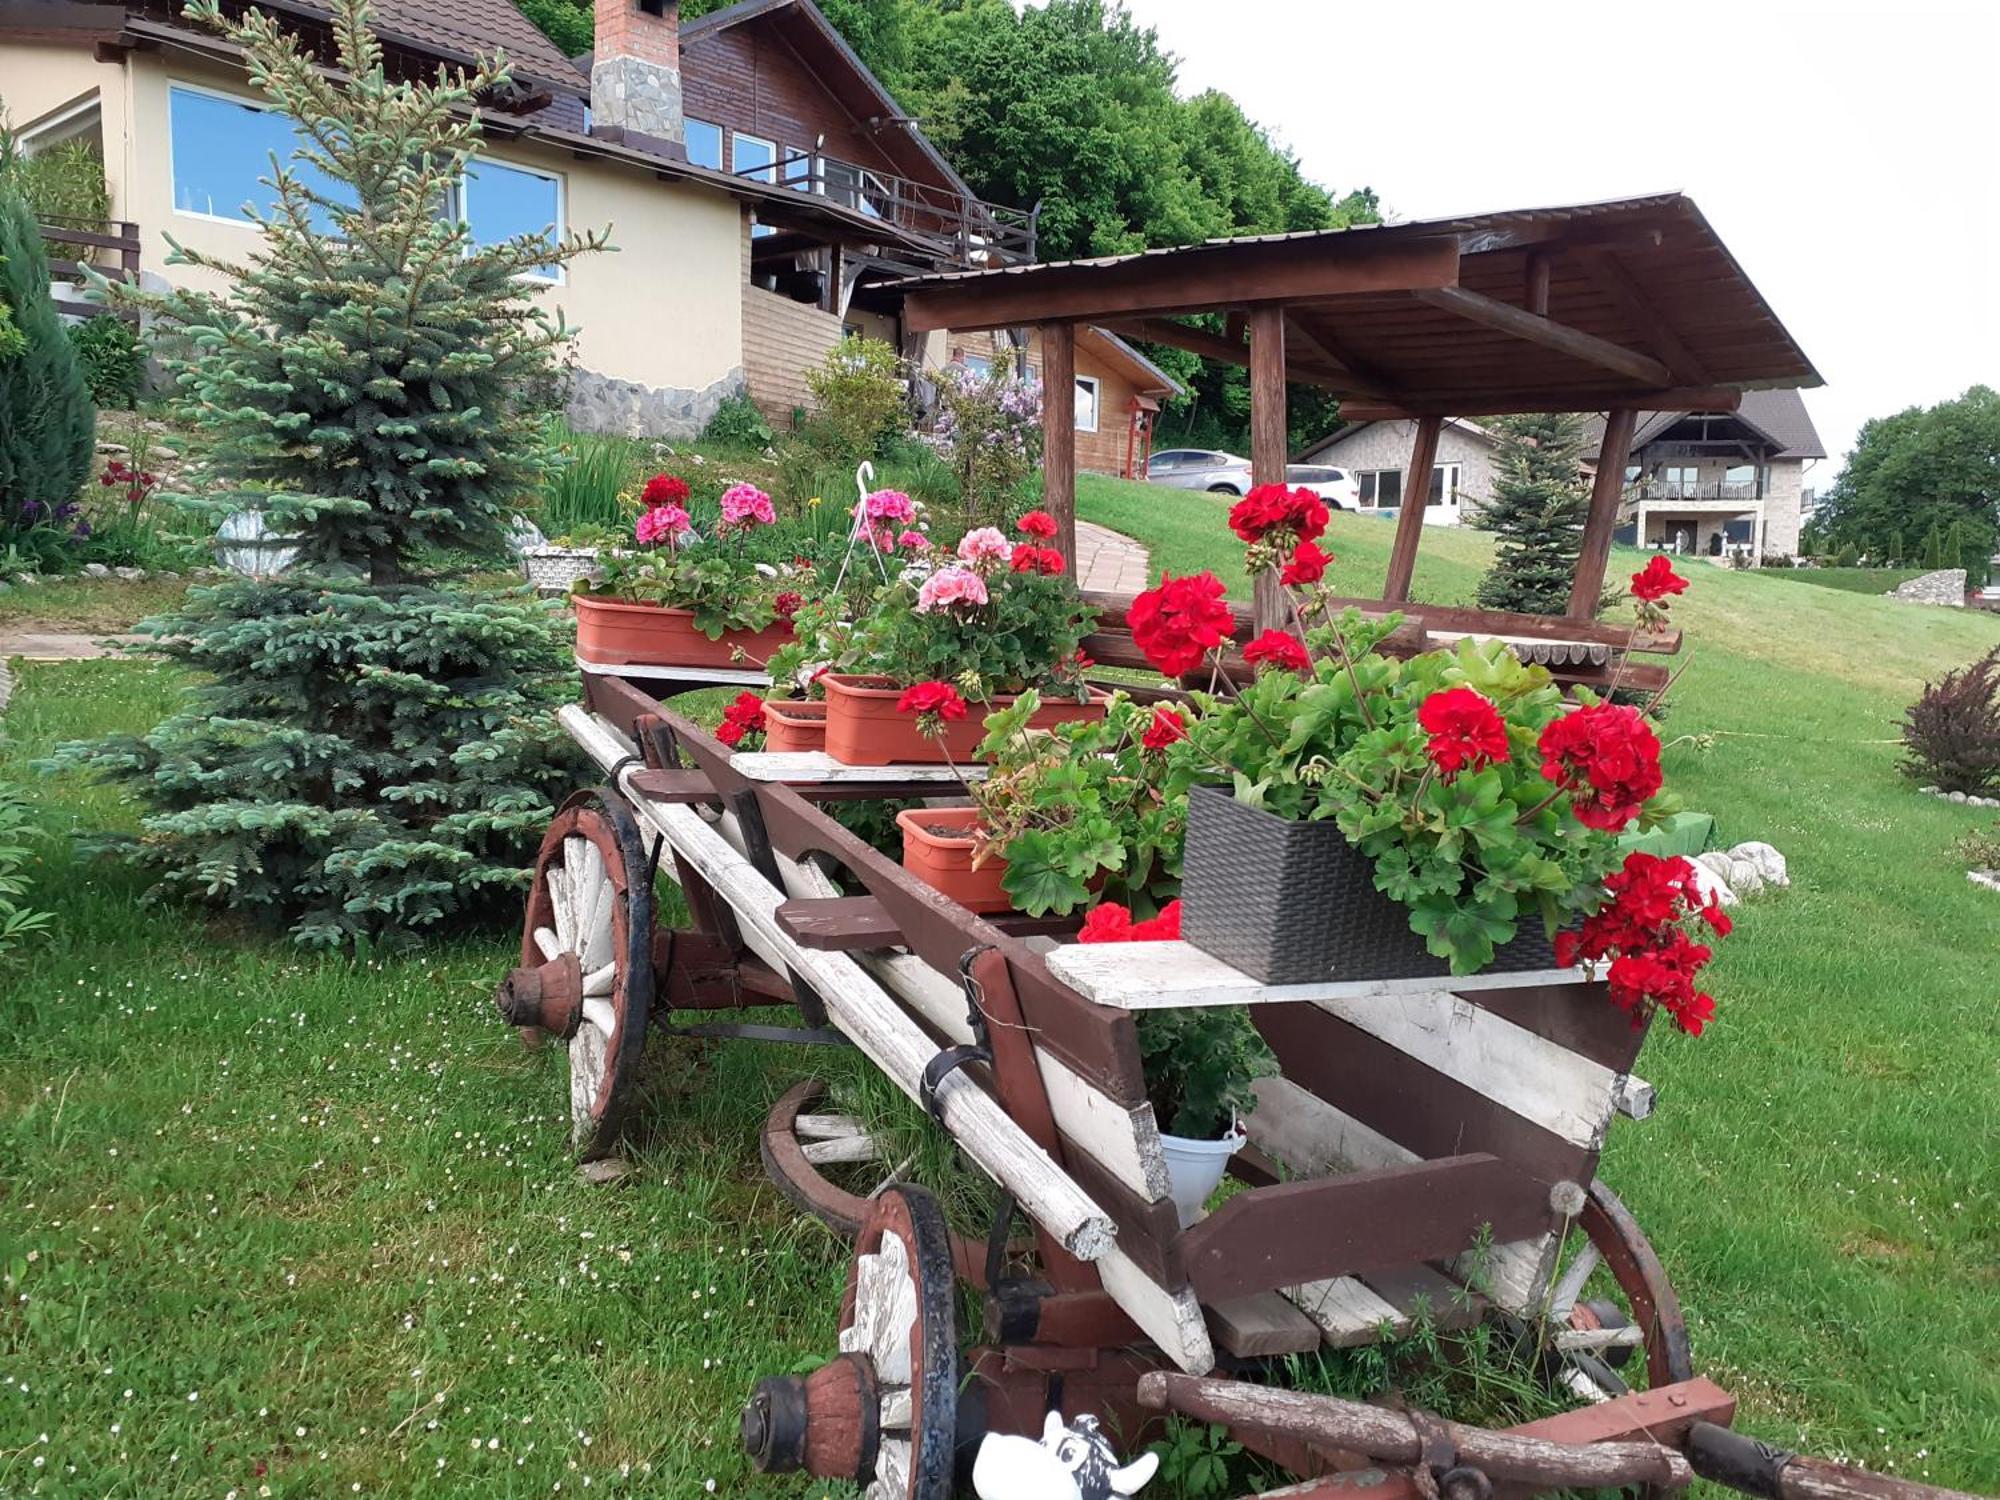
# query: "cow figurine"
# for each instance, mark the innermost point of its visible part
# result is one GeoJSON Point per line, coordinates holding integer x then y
{"type": "Point", "coordinates": [1074, 1462]}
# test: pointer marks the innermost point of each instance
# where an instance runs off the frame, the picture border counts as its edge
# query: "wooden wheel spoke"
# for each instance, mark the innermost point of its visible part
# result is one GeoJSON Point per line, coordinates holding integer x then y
{"type": "Point", "coordinates": [892, 1470]}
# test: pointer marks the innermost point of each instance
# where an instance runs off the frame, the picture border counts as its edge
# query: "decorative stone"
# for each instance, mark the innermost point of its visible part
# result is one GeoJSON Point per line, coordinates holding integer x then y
{"type": "Point", "coordinates": [130, 575]}
{"type": "Point", "coordinates": [1988, 878]}
{"type": "Point", "coordinates": [1958, 797]}
{"type": "Point", "coordinates": [27, 580]}
{"type": "Point", "coordinates": [605, 1171]}
{"type": "Point", "coordinates": [1711, 873]}
{"type": "Point", "coordinates": [1769, 863]}
{"type": "Point", "coordinates": [164, 452]}
{"type": "Point", "coordinates": [96, 570]}
{"type": "Point", "coordinates": [1946, 587]}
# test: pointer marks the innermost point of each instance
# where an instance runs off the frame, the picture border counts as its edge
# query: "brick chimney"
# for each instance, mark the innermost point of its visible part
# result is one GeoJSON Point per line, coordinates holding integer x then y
{"type": "Point", "coordinates": [635, 74]}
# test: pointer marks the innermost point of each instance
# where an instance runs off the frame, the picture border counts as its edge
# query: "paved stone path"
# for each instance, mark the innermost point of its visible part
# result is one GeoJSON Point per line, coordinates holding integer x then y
{"type": "Point", "coordinates": [1109, 560]}
{"type": "Point", "coordinates": [62, 645]}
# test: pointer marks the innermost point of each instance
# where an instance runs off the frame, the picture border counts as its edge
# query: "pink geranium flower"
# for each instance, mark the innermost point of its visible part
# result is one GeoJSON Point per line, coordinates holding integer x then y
{"type": "Point", "coordinates": [913, 541]}
{"type": "Point", "coordinates": [746, 505]}
{"type": "Point", "coordinates": [949, 586]}
{"type": "Point", "coordinates": [983, 542]}
{"type": "Point", "coordinates": [660, 524]}
{"type": "Point", "coordinates": [889, 505]}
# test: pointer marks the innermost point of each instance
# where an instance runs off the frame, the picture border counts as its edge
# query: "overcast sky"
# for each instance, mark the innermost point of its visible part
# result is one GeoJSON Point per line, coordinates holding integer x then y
{"type": "Point", "coordinates": [1849, 154]}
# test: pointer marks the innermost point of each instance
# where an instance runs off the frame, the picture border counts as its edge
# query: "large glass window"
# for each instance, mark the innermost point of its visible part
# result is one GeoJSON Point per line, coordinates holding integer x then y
{"type": "Point", "coordinates": [500, 203]}
{"type": "Point", "coordinates": [704, 143]}
{"type": "Point", "coordinates": [221, 151]}
{"type": "Point", "coordinates": [1087, 394]}
{"type": "Point", "coordinates": [1380, 487]}
{"type": "Point", "coordinates": [748, 152]}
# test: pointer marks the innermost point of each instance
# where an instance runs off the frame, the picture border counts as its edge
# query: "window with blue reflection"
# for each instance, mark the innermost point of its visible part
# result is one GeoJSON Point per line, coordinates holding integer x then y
{"type": "Point", "coordinates": [222, 150]}
{"type": "Point", "coordinates": [500, 203]}
{"type": "Point", "coordinates": [704, 143]}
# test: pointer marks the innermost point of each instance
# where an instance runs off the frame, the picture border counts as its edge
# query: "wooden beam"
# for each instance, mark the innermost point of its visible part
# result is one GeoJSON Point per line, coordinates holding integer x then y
{"type": "Point", "coordinates": [1558, 235]}
{"type": "Point", "coordinates": [1605, 493]}
{"type": "Point", "coordinates": [1200, 279]}
{"type": "Point", "coordinates": [1537, 300]}
{"type": "Point", "coordinates": [1488, 404]}
{"type": "Point", "coordinates": [1609, 275]}
{"type": "Point", "coordinates": [1213, 346]}
{"type": "Point", "coordinates": [1059, 434]}
{"type": "Point", "coordinates": [1269, 448]}
{"type": "Point", "coordinates": [1410, 521]}
{"type": "Point", "coordinates": [1360, 377]}
{"type": "Point", "coordinates": [1550, 334]}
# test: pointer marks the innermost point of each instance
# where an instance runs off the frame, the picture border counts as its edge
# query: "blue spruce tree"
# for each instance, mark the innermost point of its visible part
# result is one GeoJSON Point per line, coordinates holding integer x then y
{"type": "Point", "coordinates": [368, 755]}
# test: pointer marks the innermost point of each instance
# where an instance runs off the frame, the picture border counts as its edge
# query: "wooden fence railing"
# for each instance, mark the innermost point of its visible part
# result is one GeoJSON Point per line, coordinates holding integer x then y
{"type": "Point", "coordinates": [969, 230]}
{"type": "Point", "coordinates": [96, 243]}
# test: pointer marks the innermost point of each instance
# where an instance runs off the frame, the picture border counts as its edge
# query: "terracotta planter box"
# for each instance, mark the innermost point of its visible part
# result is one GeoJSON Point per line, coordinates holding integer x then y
{"type": "Point", "coordinates": [793, 724]}
{"type": "Point", "coordinates": [865, 728]}
{"type": "Point", "coordinates": [940, 856]}
{"type": "Point", "coordinates": [615, 633]}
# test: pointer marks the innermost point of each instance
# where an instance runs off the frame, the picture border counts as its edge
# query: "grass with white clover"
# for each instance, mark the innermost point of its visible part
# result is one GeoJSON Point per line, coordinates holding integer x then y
{"type": "Point", "coordinates": [331, 1201]}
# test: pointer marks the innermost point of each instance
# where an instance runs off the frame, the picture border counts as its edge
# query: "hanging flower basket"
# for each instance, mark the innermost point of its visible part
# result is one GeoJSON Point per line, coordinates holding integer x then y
{"type": "Point", "coordinates": [864, 726]}
{"type": "Point", "coordinates": [938, 848]}
{"type": "Point", "coordinates": [1294, 903]}
{"type": "Point", "coordinates": [619, 633]}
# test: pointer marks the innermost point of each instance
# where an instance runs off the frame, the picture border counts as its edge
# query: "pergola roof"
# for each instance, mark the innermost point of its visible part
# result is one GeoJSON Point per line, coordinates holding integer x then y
{"type": "Point", "coordinates": [1631, 304]}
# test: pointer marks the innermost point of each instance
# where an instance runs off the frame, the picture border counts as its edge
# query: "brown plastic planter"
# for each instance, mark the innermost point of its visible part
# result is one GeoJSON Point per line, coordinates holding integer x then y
{"type": "Point", "coordinates": [940, 856]}
{"type": "Point", "coordinates": [865, 728]}
{"type": "Point", "coordinates": [1295, 903]}
{"type": "Point", "coordinates": [794, 724]}
{"type": "Point", "coordinates": [617, 633]}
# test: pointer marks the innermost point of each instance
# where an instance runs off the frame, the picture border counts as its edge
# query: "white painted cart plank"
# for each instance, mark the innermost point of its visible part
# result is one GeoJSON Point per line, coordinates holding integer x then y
{"type": "Point", "coordinates": [1348, 1314]}
{"type": "Point", "coordinates": [816, 766]}
{"type": "Point", "coordinates": [746, 676]}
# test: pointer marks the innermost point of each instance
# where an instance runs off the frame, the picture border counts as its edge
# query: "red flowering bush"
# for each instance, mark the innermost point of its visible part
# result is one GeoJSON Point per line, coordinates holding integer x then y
{"type": "Point", "coordinates": [743, 720]}
{"type": "Point", "coordinates": [1108, 922]}
{"type": "Point", "coordinates": [1642, 929]}
{"type": "Point", "coordinates": [1607, 758]}
{"type": "Point", "coordinates": [1276, 648]}
{"type": "Point", "coordinates": [1465, 729]}
{"type": "Point", "coordinates": [1181, 621]}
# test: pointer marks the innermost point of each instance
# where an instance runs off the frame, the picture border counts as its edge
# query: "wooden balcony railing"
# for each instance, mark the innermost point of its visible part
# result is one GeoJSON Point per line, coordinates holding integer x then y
{"type": "Point", "coordinates": [963, 230]}
{"type": "Point", "coordinates": [109, 246]}
{"type": "Point", "coordinates": [1661, 489]}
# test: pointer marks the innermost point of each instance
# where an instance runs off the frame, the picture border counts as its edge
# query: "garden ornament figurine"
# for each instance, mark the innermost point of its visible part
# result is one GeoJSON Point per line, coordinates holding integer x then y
{"type": "Point", "coordinates": [1074, 1462]}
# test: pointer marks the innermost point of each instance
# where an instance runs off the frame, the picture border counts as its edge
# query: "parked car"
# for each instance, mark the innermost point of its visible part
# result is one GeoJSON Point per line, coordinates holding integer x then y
{"type": "Point", "coordinates": [1200, 469]}
{"type": "Point", "coordinates": [1227, 474]}
{"type": "Point", "coordinates": [1337, 487]}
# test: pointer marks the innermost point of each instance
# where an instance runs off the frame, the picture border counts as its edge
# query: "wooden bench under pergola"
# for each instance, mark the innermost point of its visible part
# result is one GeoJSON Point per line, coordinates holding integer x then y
{"type": "Point", "coordinates": [1618, 307]}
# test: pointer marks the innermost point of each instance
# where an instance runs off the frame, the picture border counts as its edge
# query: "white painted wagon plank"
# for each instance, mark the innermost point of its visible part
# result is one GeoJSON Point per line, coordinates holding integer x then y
{"type": "Point", "coordinates": [843, 1148]}
{"type": "Point", "coordinates": [818, 766]}
{"type": "Point", "coordinates": [741, 675]}
{"type": "Point", "coordinates": [826, 1127]}
{"type": "Point", "coordinates": [1173, 1320]}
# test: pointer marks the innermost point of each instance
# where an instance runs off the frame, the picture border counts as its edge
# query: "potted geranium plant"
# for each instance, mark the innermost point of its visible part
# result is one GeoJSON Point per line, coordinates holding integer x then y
{"type": "Point", "coordinates": [678, 598]}
{"type": "Point", "coordinates": [1352, 800]}
{"type": "Point", "coordinates": [990, 622]}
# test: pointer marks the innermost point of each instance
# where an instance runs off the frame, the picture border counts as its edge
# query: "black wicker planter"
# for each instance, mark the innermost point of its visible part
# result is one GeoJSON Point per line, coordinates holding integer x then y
{"type": "Point", "coordinates": [1295, 903]}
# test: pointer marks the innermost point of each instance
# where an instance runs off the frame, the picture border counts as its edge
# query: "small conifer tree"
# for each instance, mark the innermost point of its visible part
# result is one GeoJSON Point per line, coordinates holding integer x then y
{"type": "Point", "coordinates": [1538, 509]}
{"type": "Point", "coordinates": [48, 428]}
{"type": "Point", "coordinates": [369, 754]}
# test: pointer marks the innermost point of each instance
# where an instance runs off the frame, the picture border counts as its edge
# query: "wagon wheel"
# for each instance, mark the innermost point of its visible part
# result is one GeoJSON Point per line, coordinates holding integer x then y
{"type": "Point", "coordinates": [826, 1165]}
{"type": "Point", "coordinates": [1596, 1328]}
{"type": "Point", "coordinates": [586, 974]}
{"type": "Point", "coordinates": [898, 1313]}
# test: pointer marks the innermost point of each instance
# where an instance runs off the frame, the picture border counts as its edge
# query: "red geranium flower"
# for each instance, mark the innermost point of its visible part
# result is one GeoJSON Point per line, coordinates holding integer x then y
{"type": "Point", "coordinates": [1038, 523]}
{"type": "Point", "coordinates": [1030, 559]}
{"type": "Point", "coordinates": [1465, 729]}
{"type": "Point", "coordinates": [1273, 507]}
{"type": "Point", "coordinates": [1657, 580]}
{"type": "Point", "coordinates": [787, 604]}
{"type": "Point", "coordinates": [1108, 922]}
{"type": "Point", "coordinates": [1640, 929]}
{"type": "Point", "coordinates": [939, 698]}
{"type": "Point", "coordinates": [1179, 622]}
{"type": "Point", "coordinates": [664, 489]}
{"type": "Point", "coordinates": [1607, 758]}
{"type": "Point", "coordinates": [1279, 649]}
{"type": "Point", "coordinates": [1167, 726]}
{"type": "Point", "coordinates": [1307, 565]}
{"type": "Point", "coordinates": [744, 716]}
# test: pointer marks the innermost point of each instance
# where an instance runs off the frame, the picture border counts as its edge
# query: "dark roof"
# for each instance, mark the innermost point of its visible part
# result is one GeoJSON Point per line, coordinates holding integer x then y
{"type": "Point", "coordinates": [1162, 381]}
{"type": "Point", "coordinates": [461, 30]}
{"type": "Point", "coordinates": [1428, 313]}
{"type": "Point", "coordinates": [1779, 416]}
{"type": "Point", "coordinates": [845, 58]}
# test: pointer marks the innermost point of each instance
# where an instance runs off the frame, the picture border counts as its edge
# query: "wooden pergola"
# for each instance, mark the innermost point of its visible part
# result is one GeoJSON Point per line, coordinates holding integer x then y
{"type": "Point", "coordinates": [1618, 307]}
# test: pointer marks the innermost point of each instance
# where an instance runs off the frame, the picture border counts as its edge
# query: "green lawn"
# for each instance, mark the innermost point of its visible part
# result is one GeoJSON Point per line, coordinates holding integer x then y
{"type": "Point", "coordinates": [317, 1195]}
{"type": "Point", "coordinates": [1821, 1176]}
{"type": "Point", "coordinates": [1854, 580]}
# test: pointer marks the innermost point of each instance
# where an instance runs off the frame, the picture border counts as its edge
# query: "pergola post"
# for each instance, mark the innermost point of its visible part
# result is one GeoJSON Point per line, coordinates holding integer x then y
{"type": "Point", "coordinates": [1059, 434]}
{"type": "Point", "coordinates": [1605, 494]}
{"type": "Point", "coordinates": [1269, 446]}
{"type": "Point", "coordinates": [1410, 519]}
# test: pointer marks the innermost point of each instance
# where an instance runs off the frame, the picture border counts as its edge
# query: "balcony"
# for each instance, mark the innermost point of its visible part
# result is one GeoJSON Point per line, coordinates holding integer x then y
{"type": "Point", "coordinates": [1653, 491]}
{"type": "Point", "coordinates": [109, 246]}
{"type": "Point", "coordinates": [963, 232]}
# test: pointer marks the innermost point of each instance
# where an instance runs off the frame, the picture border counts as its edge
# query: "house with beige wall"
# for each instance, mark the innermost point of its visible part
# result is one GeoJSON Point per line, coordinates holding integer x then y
{"type": "Point", "coordinates": [761, 187]}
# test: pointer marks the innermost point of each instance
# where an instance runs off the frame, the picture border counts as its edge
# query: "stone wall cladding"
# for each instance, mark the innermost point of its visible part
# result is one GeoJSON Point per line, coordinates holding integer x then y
{"type": "Point", "coordinates": [638, 95]}
{"type": "Point", "coordinates": [1387, 445]}
{"type": "Point", "coordinates": [782, 339]}
{"type": "Point", "coordinates": [1945, 587]}
{"type": "Point", "coordinates": [1782, 500]}
{"type": "Point", "coordinates": [600, 403]}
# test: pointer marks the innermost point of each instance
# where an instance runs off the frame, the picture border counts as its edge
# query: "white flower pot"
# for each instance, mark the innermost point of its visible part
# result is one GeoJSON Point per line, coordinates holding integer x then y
{"type": "Point", "coordinates": [1195, 1168]}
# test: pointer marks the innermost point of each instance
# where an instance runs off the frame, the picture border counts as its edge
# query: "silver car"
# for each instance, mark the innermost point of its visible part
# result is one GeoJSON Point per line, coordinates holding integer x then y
{"type": "Point", "coordinates": [1226, 474]}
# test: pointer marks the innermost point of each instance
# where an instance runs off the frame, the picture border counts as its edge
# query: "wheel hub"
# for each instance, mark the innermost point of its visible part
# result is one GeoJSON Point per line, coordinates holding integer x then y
{"type": "Point", "coordinates": [547, 996]}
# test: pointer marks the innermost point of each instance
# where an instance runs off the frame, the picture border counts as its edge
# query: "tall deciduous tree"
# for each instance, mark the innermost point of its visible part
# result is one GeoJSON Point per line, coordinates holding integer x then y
{"type": "Point", "coordinates": [1923, 470]}
{"type": "Point", "coordinates": [1538, 508]}
{"type": "Point", "coordinates": [368, 755]}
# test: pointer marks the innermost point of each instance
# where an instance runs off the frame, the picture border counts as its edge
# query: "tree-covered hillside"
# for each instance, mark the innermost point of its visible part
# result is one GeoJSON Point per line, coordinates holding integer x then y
{"type": "Point", "coordinates": [1072, 105]}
